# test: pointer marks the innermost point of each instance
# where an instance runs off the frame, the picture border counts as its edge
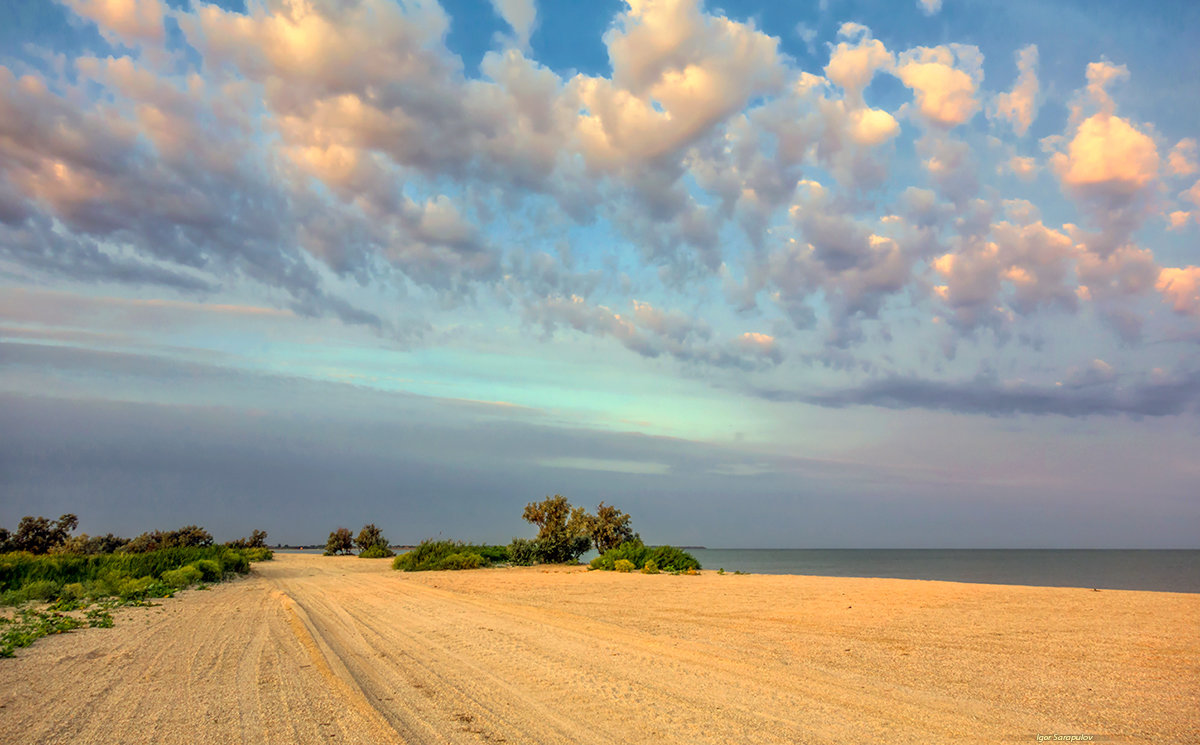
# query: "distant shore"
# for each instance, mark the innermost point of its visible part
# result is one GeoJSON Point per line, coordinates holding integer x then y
{"type": "Point", "coordinates": [318, 649]}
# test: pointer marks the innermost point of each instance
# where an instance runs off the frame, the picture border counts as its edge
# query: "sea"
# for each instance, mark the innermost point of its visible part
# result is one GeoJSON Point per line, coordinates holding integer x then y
{"type": "Point", "coordinates": [1157, 570]}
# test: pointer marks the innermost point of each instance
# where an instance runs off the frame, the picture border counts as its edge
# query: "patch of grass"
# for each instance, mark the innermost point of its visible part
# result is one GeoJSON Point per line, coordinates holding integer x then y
{"type": "Point", "coordinates": [99, 618]}
{"type": "Point", "coordinates": [31, 625]}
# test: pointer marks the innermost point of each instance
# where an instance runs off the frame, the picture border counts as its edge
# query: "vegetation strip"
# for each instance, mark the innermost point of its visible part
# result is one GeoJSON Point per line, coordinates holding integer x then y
{"type": "Point", "coordinates": [43, 563]}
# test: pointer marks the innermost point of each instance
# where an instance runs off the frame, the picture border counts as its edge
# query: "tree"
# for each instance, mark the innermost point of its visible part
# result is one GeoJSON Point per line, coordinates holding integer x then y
{"type": "Point", "coordinates": [38, 535]}
{"type": "Point", "coordinates": [189, 535]}
{"type": "Point", "coordinates": [563, 530]}
{"type": "Point", "coordinates": [610, 528]}
{"type": "Point", "coordinates": [257, 539]}
{"type": "Point", "coordinates": [370, 536]}
{"type": "Point", "coordinates": [340, 542]}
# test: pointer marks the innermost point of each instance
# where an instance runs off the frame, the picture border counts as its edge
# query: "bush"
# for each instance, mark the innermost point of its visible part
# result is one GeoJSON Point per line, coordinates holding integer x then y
{"type": "Point", "coordinates": [623, 565]}
{"type": "Point", "coordinates": [43, 590]}
{"type": "Point", "coordinates": [650, 567]}
{"type": "Point", "coordinates": [664, 558]}
{"type": "Point", "coordinates": [257, 554]}
{"type": "Point", "coordinates": [672, 559]}
{"type": "Point", "coordinates": [435, 555]}
{"type": "Point", "coordinates": [461, 561]}
{"type": "Point", "coordinates": [631, 551]}
{"type": "Point", "coordinates": [376, 552]}
{"type": "Point", "coordinates": [233, 561]}
{"type": "Point", "coordinates": [210, 570]}
{"type": "Point", "coordinates": [183, 576]}
{"type": "Point", "coordinates": [142, 588]}
{"type": "Point", "coordinates": [522, 552]}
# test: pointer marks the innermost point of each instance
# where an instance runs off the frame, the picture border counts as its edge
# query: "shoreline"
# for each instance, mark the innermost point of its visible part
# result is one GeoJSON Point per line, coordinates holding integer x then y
{"type": "Point", "coordinates": [313, 649]}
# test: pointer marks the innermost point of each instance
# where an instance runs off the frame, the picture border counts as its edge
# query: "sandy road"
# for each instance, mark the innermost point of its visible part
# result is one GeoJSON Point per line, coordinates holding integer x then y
{"type": "Point", "coordinates": [311, 649]}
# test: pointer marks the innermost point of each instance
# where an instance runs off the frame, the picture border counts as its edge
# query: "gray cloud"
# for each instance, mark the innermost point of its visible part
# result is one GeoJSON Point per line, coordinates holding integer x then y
{"type": "Point", "coordinates": [1171, 397]}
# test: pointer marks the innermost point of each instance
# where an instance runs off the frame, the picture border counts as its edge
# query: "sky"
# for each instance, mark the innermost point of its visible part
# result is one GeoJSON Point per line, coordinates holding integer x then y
{"type": "Point", "coordinates": [808, 274]}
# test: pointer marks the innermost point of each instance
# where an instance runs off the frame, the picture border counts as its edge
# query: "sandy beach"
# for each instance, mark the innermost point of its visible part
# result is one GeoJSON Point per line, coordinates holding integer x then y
{"type": "Point", "coordinates": [309, 649]}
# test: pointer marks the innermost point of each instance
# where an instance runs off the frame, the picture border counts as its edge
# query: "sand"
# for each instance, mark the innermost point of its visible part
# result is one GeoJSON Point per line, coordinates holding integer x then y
{"type": "Point", "coordinates": [309, 649]}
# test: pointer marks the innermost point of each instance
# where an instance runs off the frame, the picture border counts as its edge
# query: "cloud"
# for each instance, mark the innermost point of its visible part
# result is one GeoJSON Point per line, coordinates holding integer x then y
{"type": "Point", "coordinates": [855, 60]}
{"type": "Point", "coordinates": [1181, 288]}
{"type": "Point", "coordinates": [1181, 161]}
{"type": "Point", "coordinates": [676, 73]}
{"type": "Point", "coordinates": [1022, 167]}
{"type": "Point", "coordinates": [1019, 106]}
{"type": "Point", "coordinates": [521, 16]}
{"type": "Point", "coordinates": [652, 332]}
{"type": "Point", "coordinates": [1108, 155]}
{"type": "Point", "coordinates": [1168, 397]}
{"type": "Point", "coordinates": [929, 7]}
{"type": "Point", "coordinates": [945, 80]}
{"type": "Point", "coordinates": [129, 21]}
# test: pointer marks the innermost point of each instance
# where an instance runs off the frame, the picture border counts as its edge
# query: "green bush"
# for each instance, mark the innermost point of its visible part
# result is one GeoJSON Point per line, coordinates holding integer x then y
{"type": "Point", "coordinates": [672, 559]}
{"type": "Point", "coordinates": [623, 565]}
{"type": "Point", "coordinates": [183, 576]}
{"type": "Point", "coordinates": [142, 588]}
{"type": "Point", "coordinates": [435, 555]}
{"type": "Point", "coordinates": [522, 552]}
{"type": "Point", "coordinates": [650, 567]}
{"type": "Point", "coordinates": [461, 561]}
{"type": "Point", "coordinates": [376, 552]}
{"type": "Point", "coordinates": [209, 569]}
{"type": "Point", "coordinates": [233, 561]}
{"type": "Point", "coordinates": [257, 554]}
{"type": "Point", "coordinates": [631, 551]}
{"type": "Point", "coordinates": [664, 558]}
{"type": "Point", "coordinates": [44, 590]}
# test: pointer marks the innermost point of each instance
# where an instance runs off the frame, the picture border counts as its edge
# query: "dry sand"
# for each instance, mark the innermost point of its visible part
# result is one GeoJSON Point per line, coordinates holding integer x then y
{"type": "Point", "coordinates": [310, 649]}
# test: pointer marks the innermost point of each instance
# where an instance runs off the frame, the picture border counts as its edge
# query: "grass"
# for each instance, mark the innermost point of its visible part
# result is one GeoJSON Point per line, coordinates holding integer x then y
{"type": "Point", "coordinates": [30, 625]}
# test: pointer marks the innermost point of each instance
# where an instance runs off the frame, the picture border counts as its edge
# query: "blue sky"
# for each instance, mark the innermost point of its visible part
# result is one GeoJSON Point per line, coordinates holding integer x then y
{"type": "Point", "coordinates": [762, 274]}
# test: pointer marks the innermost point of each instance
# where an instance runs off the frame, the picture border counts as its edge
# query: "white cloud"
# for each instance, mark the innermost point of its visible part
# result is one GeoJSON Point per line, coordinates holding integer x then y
{"type": "Point", "coordinates": [945, 80]}
{"type": "Point", "coordinates": [929, 7]}
{"type": "Point", "coordinates": [1181, 288]}
{"type": "Point", "coordinates": [1181, 161]}
{"type": "Point", "coordinates": [1019, 106]}
{"type": "Point", "coordinates": [521, 16]}
{"type": "Point", "coordinates": [131, 21]}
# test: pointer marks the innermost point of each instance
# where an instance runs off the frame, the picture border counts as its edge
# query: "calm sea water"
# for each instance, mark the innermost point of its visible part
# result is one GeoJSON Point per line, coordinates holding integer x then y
{"type": "Point", "coordinates": [1169, 571]}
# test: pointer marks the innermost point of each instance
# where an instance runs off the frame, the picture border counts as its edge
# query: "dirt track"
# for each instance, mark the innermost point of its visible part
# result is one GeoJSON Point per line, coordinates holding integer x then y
{"type": "Point", "coordinates": [311, 649]}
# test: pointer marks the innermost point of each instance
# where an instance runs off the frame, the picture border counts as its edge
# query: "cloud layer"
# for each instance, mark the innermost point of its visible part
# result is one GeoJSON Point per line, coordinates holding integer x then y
{"type": "Point", "coordinates": [708, 200]}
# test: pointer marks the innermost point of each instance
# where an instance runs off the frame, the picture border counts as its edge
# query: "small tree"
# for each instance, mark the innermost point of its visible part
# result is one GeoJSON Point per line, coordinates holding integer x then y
{"type": "Point", "coordinates": [371, 543]}
{"type": "Point", "coordinates": [563, 530]}
{"type": "Point", "coordinates": [370, 536]}
{"type": "Point", "coordinates": [610, 528]}
{"type": "Point", "coordinates": [340, 542]}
